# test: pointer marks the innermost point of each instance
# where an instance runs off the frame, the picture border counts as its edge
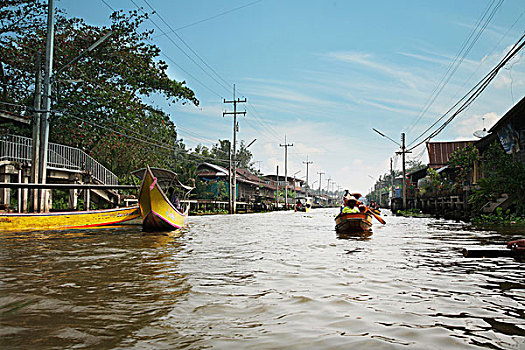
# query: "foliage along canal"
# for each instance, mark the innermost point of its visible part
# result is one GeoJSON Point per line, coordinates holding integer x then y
{"type": "Point", "coordinates": [263, 281]}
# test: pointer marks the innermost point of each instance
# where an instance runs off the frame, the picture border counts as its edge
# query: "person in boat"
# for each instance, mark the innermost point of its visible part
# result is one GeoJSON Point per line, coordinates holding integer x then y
{"type": "Point", "coordinates": [346, 195]}
{"type": "Point", "coordinates": [351, 206]}
{"type": "Point", "coordinates": [174, 199]}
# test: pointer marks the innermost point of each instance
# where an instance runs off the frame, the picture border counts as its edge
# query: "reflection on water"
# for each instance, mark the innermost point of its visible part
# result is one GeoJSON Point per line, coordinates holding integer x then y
{"type": "Point", "coordinates": [263, 281]}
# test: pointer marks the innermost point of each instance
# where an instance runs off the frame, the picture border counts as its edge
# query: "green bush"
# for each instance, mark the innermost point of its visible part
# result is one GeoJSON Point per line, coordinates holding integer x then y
{"type": "Point", "coordinates": [499, 217]}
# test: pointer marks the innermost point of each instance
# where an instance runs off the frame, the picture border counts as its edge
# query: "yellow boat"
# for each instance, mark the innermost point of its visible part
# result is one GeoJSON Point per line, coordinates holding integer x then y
{"type": "Point", "coordinates": [66, 220]}
{"type": "Point", "coordinates": [158, 212]}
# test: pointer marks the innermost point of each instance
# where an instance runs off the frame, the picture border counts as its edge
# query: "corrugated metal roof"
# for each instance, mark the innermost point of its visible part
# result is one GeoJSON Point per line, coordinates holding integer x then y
{"type": "Point", "coordinates": [439, 152]}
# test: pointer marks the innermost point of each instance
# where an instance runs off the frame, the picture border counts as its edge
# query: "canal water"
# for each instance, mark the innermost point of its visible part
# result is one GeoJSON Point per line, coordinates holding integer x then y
{"type": "Point", "coordinates": [279, 280]}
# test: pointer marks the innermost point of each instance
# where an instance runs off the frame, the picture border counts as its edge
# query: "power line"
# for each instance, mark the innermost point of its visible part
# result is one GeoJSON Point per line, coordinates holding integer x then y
{"type": "Point", "coordinates": [144, 139]}
{"type": "Point", "coordinates": [474, 93]}
{"type": "Point", "coordinates": [172, 60]}
{"type": "Point", "coordinates": [184, 52]}
{"type": "Point", "coordinates": [453, 67]}
{"type": "Point", "coordinates": [218, 15]}
{"type": "Point", "coordinates": [493, 49]}
{"type": "Point", "coordinates": [192, 50]}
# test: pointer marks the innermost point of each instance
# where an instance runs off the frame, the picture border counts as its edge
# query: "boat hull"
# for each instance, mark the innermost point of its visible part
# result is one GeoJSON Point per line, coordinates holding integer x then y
{"type": "Point", "coordinates": [357, 224]}
{"type": "Point", "coordinates": [67, 220]}
{"type": "Point", "coordinates": [158, 213]}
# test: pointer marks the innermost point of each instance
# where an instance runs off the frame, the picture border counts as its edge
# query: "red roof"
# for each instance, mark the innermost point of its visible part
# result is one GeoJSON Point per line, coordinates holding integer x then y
{"type": "Point", "coordinates": [439, 152]}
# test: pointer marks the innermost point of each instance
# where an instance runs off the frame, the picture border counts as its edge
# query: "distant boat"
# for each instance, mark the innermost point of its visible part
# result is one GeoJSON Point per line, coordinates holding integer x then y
{"type": "Point", "coordinates": [303, 204]}
{"type": "Point", "coordinates": [158, 212]}
{"type": "Point", "coordinates": [66, 220]}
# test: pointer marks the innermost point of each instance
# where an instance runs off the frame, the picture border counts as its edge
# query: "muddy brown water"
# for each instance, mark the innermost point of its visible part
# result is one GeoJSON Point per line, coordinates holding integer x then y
{"type": "Point", "coordinates": [279, 280]}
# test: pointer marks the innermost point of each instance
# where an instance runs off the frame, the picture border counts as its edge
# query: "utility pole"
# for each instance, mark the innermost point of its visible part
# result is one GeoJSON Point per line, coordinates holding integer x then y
{"type": "Point", "coordinates": [307, 163]}
{"type": "Point", "coordinates": [35, 156]}
{"type": "Point", "coordinates": [320, 174]}
{"type": "Point", "coordinates": [277, 185]}
{"type": "Point", "coordinates": [230, 201]}
{"type": "Point", "coordinates": [392, 182]}
{"type": "Point", "coordinates": [235, 129]}
{"type": "Point", "coordinates": [44, 122]}
{"type": "Point", "coordinates": [403, 152]}
{"type": "Point", "coordinates": [286, 145]}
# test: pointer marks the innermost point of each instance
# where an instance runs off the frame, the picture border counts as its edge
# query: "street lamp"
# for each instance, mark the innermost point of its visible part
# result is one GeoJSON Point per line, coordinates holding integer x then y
{"type": "Point", "coordinates": [402, 152]}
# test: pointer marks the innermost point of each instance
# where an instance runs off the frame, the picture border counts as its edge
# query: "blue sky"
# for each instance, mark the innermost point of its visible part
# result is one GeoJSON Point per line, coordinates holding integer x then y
{"type": "Point", "coordinates": [324, 73]}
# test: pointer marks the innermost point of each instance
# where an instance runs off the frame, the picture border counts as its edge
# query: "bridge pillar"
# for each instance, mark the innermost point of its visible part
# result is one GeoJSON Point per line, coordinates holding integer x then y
{"type": "Point", "coordinates": [73, 199]}
{"type": "Point", "coordinates": [5, 193]}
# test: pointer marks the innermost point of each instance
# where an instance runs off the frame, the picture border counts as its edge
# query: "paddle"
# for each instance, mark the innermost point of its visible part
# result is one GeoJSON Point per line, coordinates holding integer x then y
{"type": "Point", "coordinates": [380, 219]}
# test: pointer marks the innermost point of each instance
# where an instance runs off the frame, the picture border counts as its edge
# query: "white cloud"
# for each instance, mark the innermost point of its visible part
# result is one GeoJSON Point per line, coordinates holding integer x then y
{"type": "Point", "coordinates": [367, 60]}
{"type": "Point", "coordinates": [465, 127]}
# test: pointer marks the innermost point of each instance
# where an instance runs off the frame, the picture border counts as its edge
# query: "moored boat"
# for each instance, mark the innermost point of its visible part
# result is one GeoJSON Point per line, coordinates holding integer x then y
{"type": "Point", "coordinates": [160, 213]}
{"type": "Point", "coordinates": [66, 220]}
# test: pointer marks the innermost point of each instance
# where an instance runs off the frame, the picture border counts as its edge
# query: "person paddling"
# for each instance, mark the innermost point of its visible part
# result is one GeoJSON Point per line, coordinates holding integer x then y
{"type": "Point", "coordinates": [351, 206]}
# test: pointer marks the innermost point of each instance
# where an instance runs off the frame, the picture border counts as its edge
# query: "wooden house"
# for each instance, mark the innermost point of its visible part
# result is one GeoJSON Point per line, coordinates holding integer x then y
{"type": "Point", "coordinates": [249, 186]}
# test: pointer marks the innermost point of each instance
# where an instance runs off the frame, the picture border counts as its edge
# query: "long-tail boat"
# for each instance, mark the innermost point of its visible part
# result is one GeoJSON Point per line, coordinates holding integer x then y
{"type": "Point", "coordinates": [158, 212]}
{"type": "Point", "coordinates": [66, 220]}
{"type": "Point", "coordinates": [303, 204]}
{"type": "Point", "coordinates": [356, 224]}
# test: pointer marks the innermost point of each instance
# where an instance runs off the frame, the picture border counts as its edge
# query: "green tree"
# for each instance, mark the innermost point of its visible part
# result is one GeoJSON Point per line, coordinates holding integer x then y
{"type": "Point", "coordinates": [102, 98]}
{"type": "Point", "coordinates": [463, 161]}
{"type": "Point", "coordinates": [501, 174]}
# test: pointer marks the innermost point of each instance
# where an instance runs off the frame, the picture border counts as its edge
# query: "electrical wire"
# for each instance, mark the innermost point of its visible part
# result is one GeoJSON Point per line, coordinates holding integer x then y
{"type": "Point", "coordinates": [454, 65]}
{"type": "Point", "coordinates": [189, 47]}
{"type": "Point", "coordinates": [493, 49]}
{"type": "Point", "coordinates": [473, 93]}
{"type": "Point", "coordinates": [174, 62]}
{"type": "Point", "coordinates": [178, 47]}
{"type": "Point", "coordinates": [218, 15]}
{"type": "Point", "coordinates": [145, 139]}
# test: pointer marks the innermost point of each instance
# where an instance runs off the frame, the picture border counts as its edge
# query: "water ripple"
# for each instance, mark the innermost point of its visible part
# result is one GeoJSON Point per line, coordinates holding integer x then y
{"type": "Point", "coordinates": [262, 281]}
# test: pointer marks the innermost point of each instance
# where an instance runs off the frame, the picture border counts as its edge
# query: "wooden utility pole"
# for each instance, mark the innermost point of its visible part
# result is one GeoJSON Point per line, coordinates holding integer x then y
{"type": "Point", "coordinates": [233, 165]}
{"type": "Point", "coordinates": [307, 163]}
{"type": "Point", "coordinates": [44, 122]}
{"type": "Point", "coordinates": [286, 145]}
